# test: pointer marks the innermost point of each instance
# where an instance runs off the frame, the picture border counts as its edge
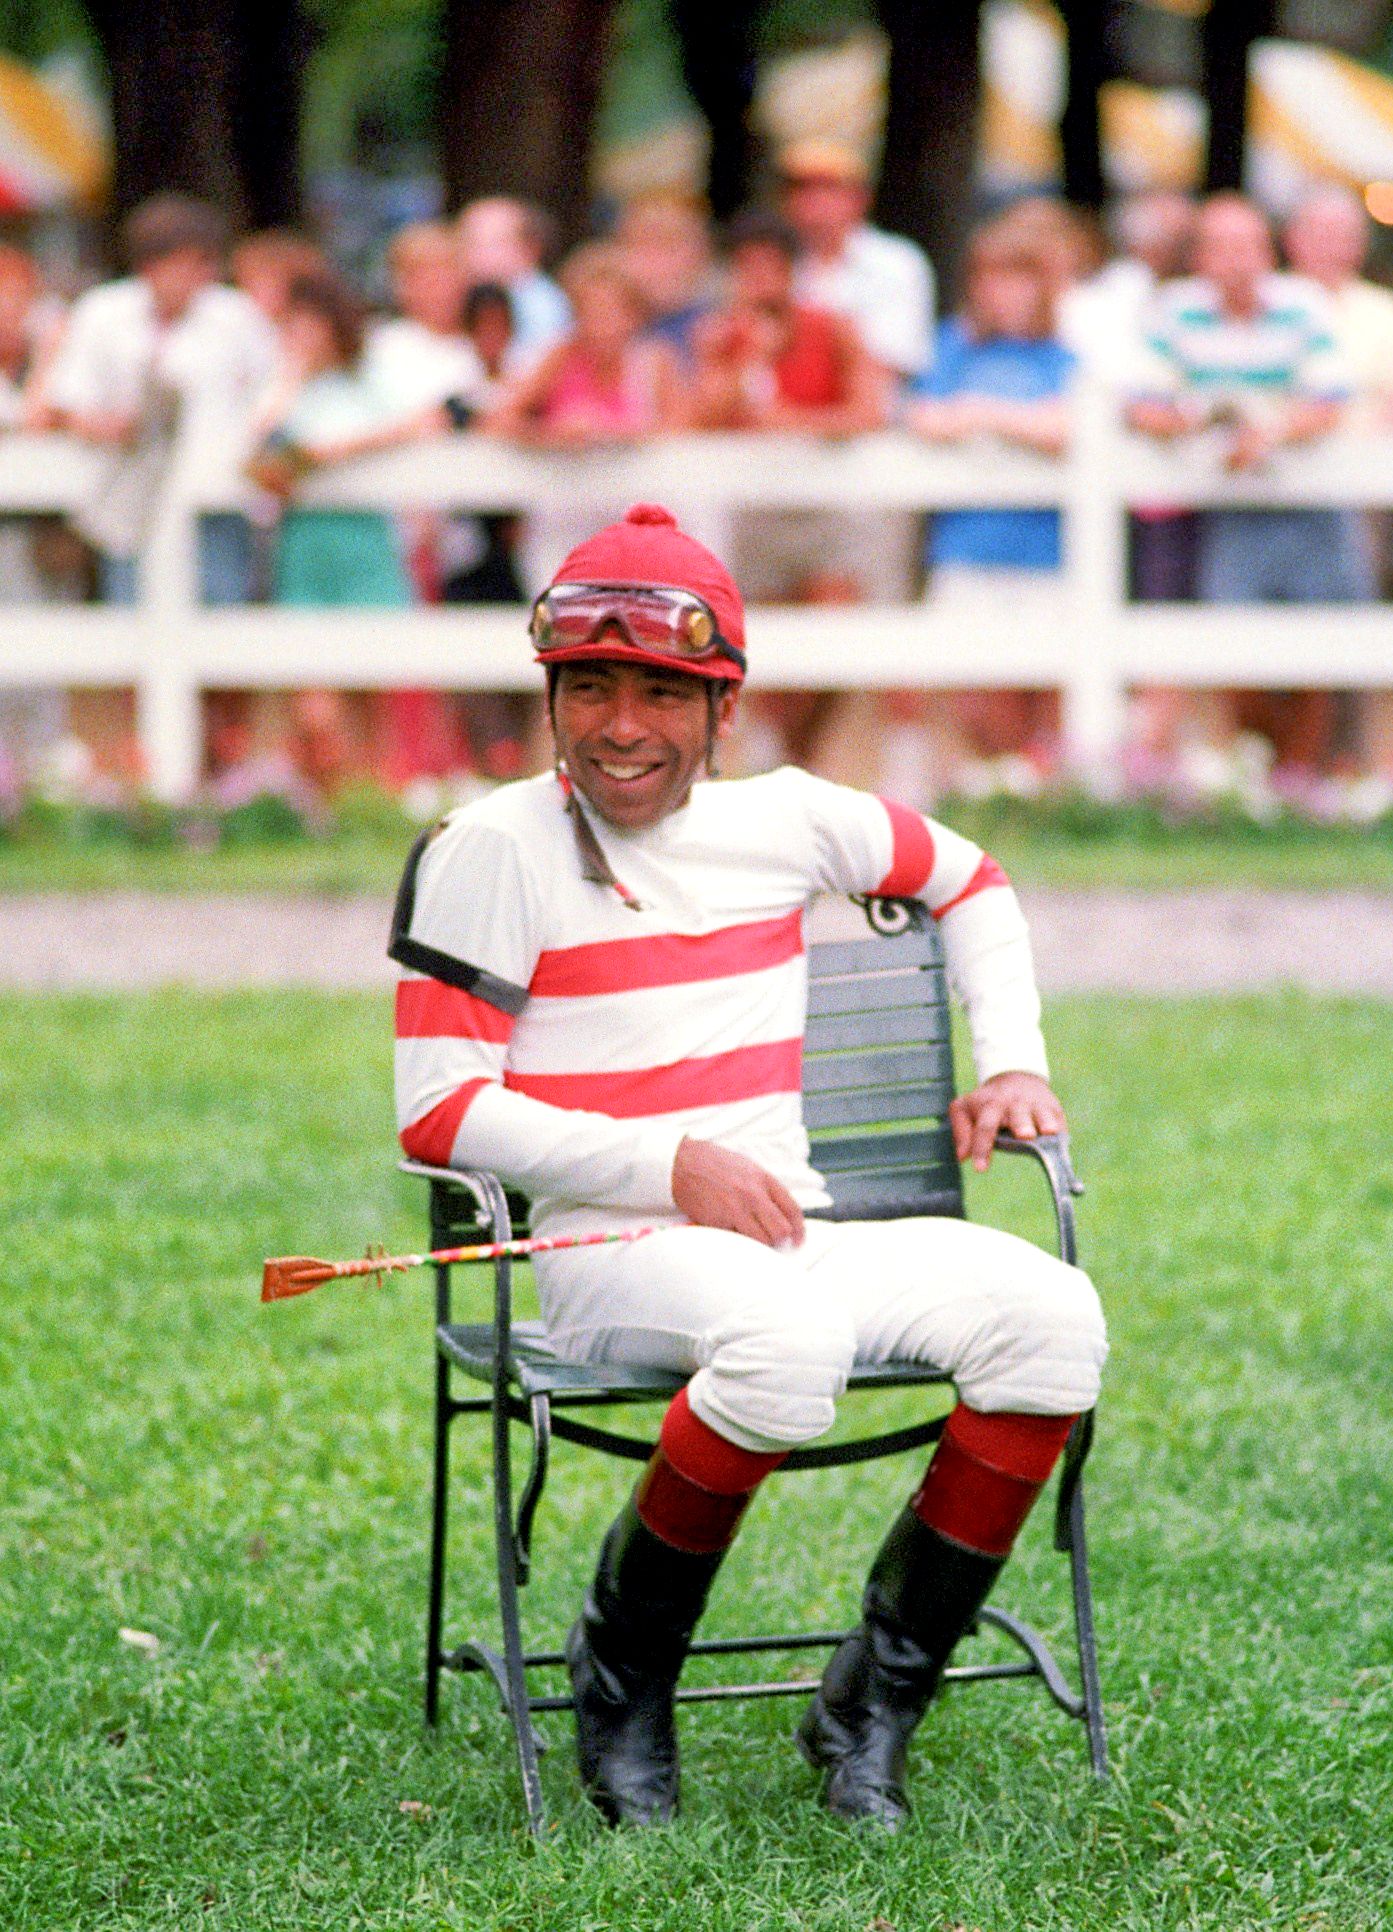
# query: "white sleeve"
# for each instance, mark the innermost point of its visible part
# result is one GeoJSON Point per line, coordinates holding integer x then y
{"type": "Point", "coordinates": [78, 378]}
{"type": "Point", "coordinates": [466, 931]}
{"type": "Point", "coordinates": [864, 844]}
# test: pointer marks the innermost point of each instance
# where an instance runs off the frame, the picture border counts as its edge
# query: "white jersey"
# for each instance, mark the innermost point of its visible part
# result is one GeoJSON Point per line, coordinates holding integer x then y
{"type": "Point", "coordinates": [569, 1036]}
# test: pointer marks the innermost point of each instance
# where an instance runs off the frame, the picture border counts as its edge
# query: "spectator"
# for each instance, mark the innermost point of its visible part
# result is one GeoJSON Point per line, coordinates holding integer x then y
{"type": "Point", "coordinates": [30, 548]}
{"type": "Point", "coordinates": [479, 552]}
{"type": "Point", "coordinates": [1000, 375]}
{"type": "Point", "coordinates": [882, 282]}
{"type": "Point", "coordinates": [604, 383]}
{"type": "Point", "coordinates": [1101, 315]}
{"type": "Point", "coordinates": [324, 410]}
{"type": "Point", "coordinates": [665, 245]}
{"type": "Point", "coordinates": [1327, 239]}
{"type": "Point", "coordinates": [166, 350]}
{"type": "Point", "coordinates": [419, 359]}
{"type": "Point", "coordinates": [507, 241]}
{"type": "Point", "coordinates": [31, 327]}
{"type": "Point", "coordinates": [1248, 357]}
{"type": "Point", "coordinates": [1102, 319]}
{"type": "Point", "coordinates": [769, 360]}
{"type": "Point", "coordinates": [420, 355]}
{"type": "Point", "coordinates": [488, 323]}
{"type": "Point", "coordinates": [265, 265]}
{"type": "Point", "coordinates": [1065, 241]}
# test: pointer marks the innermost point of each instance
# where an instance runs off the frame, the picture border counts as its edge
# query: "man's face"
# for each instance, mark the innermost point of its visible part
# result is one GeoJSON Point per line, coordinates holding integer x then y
{"type": "Point", "coordinates": [1328, 240]}
{"type": "Point", "coordinates": [1233, 249]}
{"type": "Point", "coordinates": [176, 278]}
{"type": "Point", "coordinates": [1004, 299]}
{"type": "Point", "coordinates": [824, 211]}
{"type": "Point", "coordinates": [429, 287]}
{"type": "Point", "coordinates": [493, 236]}
{"type": "Point", "coordinates": [634, 738]}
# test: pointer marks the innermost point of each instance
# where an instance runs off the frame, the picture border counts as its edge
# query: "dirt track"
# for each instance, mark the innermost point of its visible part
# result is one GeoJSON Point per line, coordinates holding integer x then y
{"type": "Point", "coordinates": [1208, 941]}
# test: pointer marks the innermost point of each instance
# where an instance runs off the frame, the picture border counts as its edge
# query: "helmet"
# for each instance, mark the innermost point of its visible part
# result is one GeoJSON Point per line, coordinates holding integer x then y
{"type": "Point", "coordinates": [642, 591]}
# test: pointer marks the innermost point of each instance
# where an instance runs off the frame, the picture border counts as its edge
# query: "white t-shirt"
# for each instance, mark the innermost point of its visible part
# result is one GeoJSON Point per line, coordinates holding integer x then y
{"type": "Point", "coordinates": [412, 367]}
{"type": "Point", "coordinates": [330, 407]}
{"type": "Point", "coordinates": [885, 285]}
{"type": "Point", "coordinates": [216, 358]}
{"type": "Point", "coordinates": [1103, 319]}
{"type": "Point", "coordinates": [1362, 313]}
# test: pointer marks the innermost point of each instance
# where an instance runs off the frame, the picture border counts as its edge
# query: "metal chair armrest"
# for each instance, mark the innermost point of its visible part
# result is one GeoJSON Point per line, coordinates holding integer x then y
{"type": "Point", "coordinates": [1052, 1152]}
{"type": "Point", "coordinates": [492, 1204]}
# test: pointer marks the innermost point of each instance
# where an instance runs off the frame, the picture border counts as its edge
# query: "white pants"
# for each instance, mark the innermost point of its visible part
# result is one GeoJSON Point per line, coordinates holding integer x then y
{"type": "Point", "coordinates": [769, 1337]}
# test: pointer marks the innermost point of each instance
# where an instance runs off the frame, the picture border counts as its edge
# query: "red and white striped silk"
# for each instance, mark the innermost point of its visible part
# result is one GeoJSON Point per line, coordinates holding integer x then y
{"type": "Point", "coordinates": [585, 1039]}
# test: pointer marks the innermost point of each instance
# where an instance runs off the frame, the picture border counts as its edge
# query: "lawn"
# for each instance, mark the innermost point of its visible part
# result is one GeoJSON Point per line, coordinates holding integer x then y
{"type": "Point", "coordinates": [247, 1487]}
{"type": "Point", "coordinates": [1061, 842]}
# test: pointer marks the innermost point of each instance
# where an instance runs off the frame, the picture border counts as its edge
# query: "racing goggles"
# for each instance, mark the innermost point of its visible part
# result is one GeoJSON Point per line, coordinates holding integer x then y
{"type": "Point", "coordinates": [673, 626]}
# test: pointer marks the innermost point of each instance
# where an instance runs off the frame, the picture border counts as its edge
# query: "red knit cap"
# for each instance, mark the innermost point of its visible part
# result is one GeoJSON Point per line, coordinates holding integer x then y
{"type": "Point", "coordinates": [647, 548]}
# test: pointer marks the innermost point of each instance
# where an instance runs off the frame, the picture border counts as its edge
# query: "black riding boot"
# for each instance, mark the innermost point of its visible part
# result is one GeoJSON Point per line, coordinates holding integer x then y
{"type": "Point", "coordinates": [624, 1654]}
{"type": "Point", "coordinates": [922, 1595]}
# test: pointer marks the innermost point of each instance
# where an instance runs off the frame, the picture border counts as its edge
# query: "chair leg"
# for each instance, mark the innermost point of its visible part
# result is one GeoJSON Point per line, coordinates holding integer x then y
{"type": "Point", "coordinates": [1083, 1626]}
{"type": "Point", "coordinates": [514, 1667]}
{"type": "Point", "coordinates": [435, 1609]}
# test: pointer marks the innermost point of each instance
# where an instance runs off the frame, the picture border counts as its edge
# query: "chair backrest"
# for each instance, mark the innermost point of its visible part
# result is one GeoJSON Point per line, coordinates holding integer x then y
{"type": "Point", "coordinates": [878, 1070]}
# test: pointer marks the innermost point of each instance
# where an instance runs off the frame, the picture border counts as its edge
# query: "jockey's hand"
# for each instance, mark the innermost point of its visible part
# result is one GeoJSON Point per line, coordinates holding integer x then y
{"type": "Point", "coordinates": [717, 1188]}
{"type": "Point", "coordinates": [1013, 1103]}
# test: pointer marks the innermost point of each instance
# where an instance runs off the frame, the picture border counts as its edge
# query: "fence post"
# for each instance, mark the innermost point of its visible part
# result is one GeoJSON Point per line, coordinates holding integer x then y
{"type": "Point", "coordinates": [1095, 572]}
{"type": "Point", "coordinates": [169, 719]}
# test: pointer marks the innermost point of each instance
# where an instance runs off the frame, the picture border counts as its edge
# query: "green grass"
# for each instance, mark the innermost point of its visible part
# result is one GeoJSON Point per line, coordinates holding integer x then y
{"type": "Point", "coordinates": [248, 1485]}
{"type": "Point", "coordinates": [1037, 846]}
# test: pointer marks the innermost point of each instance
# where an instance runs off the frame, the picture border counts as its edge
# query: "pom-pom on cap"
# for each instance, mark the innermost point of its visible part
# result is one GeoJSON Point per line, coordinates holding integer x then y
{"type": "Point", "coordinates": [649, 548]}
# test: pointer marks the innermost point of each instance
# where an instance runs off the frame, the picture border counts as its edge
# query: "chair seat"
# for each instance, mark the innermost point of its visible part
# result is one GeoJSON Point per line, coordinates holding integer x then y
{"type": "Point", "coordinates": [538, 1370]}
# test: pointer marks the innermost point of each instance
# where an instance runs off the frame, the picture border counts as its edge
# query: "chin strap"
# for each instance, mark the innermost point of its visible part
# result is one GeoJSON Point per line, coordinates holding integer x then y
{"type": "Point", "coordinates": [595, 868]}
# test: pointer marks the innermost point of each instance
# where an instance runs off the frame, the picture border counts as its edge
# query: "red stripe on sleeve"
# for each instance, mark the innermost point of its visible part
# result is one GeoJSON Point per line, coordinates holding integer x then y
{"type": "Point", "coordinates": [988, 874]}
{"type": "Point", "coordinates": [429, 1009]}
{"type": "Point", "coordinates": [775, 1066]}
{"type": "Point", "coordinates": [666, 959]}
{"type": "Point", "coordinates": [912, 858]}
{"type": "Point", "coordinates": [432, 1138]}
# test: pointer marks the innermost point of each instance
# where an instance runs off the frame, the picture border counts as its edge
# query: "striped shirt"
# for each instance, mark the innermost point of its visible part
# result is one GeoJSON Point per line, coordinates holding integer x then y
{"type": "Point", "coordinates": [555, 1034]}
{"type": "Point", "coordinates": [1285, 350]}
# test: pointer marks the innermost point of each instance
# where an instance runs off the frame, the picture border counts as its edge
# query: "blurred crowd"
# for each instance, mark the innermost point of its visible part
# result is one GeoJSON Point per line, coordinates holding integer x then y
{"type": "Point", "coordinates": [1212, 329]}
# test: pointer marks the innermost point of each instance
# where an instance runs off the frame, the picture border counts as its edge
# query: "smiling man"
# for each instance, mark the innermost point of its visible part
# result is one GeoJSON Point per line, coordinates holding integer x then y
{"type": "Point", "coordinates": [603, 1000]}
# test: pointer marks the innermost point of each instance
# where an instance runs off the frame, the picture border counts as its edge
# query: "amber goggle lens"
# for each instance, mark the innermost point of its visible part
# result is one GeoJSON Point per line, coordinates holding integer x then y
{"type": "Point", "coordinates": [667, 620]}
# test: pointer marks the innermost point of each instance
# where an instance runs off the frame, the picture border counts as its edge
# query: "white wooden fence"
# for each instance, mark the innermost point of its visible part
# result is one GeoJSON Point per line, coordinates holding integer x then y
{"type": "Point", "coordinates": [170, 650]}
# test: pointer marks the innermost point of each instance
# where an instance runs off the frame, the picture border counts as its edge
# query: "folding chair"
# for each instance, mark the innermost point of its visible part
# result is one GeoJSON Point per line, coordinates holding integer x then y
{"type": "Point", "coordinates": [877, 1080]}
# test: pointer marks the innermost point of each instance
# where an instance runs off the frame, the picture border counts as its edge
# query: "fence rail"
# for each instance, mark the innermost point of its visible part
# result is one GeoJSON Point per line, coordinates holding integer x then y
{"type": "Point", "coordinates": [1089, 642]}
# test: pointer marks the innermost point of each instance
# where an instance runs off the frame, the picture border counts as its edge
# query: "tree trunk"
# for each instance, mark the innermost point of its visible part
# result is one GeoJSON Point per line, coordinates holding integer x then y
{"type": "Point", "coordinates": [1230, 28]}
{"type": "Point", "coordinates": [928, 175]}
{"type": "Point", "coordinates": [517, 102]}
{"type": "Point", "coordinates": [1079, 131]}
{"type": "Point", "coordinates": [205, 100]}
{"type": "Point", "coordinates": [717, 39]}
{"type": "Point", "coordinates": [273, 52]}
